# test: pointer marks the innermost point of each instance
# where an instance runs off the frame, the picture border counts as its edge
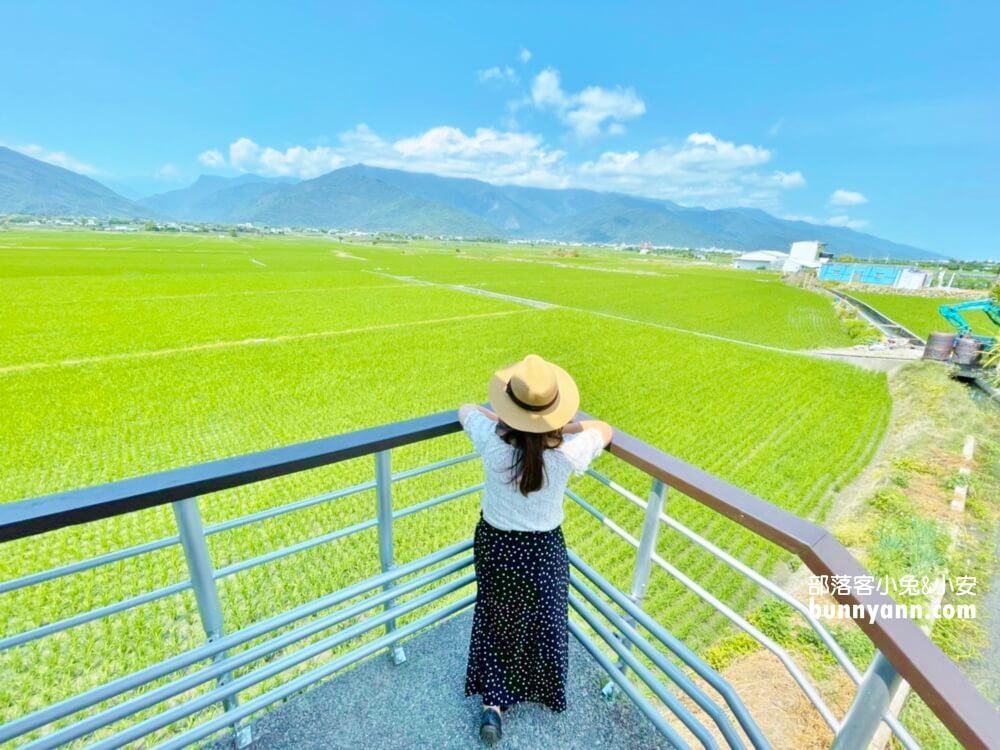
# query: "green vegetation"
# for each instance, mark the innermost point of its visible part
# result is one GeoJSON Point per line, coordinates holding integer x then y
{"type": "Point", "coordinates": [750, 307]}
{"type": "Point", "coordinates": [907, 545]}
{"type": "Point", "coordinates": [991, 360]}
{"type": "Point", "coordinates": [858, 329]}
{"type": "Point", "coordinates": [920, 314]}
{"type": "Point", "coordinates": [125, 355]}
{"type": "Point", "coordinates": [906, 526]}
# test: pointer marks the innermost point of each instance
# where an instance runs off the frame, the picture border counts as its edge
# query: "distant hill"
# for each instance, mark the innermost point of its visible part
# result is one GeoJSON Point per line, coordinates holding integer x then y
{"type": "Point", "coordinates": [353, 198]}
{"type": "Point", "coordinates": [31, 186]}
{"type": "Point", "coordinates": [213, 198]}
{"type": "Point", "coordinates": [375, 199]}
{"type": "Point", "coordinates": [372, 198]}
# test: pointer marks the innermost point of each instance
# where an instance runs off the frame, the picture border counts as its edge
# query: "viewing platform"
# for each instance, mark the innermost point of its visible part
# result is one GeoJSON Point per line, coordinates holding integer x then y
{"type": "Point", "coordinates": [426, 707]}
{"type": "Point", "coordinates": [379, 663]}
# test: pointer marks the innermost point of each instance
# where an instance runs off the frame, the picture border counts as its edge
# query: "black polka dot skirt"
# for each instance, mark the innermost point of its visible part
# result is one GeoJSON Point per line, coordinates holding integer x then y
{"type": "Point", "coordinates": [519, 647]}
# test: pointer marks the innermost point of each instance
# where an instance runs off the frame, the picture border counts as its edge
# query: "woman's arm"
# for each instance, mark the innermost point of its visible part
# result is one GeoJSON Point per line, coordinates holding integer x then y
{"type": "Point", "coordinates": [466, 409]}
{"type": "Point", "coordinates": [590, 424]}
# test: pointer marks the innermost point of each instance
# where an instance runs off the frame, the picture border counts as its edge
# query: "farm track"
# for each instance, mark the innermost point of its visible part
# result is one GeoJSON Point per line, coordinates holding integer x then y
{"type": "Point", "coordinates": [216, 295]}
{"type": "Point", "coordinates": [692, 332]}
{"type": "Point", "coordinates": [252, 293]}
{"type": "Point", "coordinates": [541, 304]}
{"type": "Point", "coordinates": [244, 342]}
{"type": "Point", "coordinates": [537, 304]}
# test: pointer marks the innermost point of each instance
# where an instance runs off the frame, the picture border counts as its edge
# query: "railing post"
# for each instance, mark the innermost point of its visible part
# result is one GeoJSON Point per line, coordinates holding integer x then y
{"type": "Point", "coordinates": [206, 593]}
{"type": "Point", "coordinates": [643, 565]}
{"type": "Point", "coordinates": [865, 714]}
{"type": "Point", "coordinates": [383, 494]}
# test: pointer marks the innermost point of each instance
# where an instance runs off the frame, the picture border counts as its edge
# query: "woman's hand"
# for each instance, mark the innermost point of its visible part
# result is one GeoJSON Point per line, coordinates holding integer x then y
{"type": "Point", "coordinates": [466, 409]}
{"type": "Point", "coordinates": [591, 424]}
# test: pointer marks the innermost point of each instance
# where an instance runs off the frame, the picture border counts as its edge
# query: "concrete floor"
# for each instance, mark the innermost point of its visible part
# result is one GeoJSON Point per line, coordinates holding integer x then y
{"type": "Point", "coordinates": [420, 705]}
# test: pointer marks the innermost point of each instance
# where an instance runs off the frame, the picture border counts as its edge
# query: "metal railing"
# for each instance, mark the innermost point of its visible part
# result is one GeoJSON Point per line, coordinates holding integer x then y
{"type": "Point", "coordinates": [434, 587]}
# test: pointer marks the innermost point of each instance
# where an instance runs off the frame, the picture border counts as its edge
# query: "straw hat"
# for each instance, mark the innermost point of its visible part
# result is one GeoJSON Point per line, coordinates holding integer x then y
{"type": "Point", "coordinates": [534, 395]}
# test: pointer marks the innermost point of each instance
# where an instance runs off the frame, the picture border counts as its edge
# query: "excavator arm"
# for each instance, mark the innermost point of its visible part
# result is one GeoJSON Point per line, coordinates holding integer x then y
{"type": "Point", "coordinates": [953, 314]}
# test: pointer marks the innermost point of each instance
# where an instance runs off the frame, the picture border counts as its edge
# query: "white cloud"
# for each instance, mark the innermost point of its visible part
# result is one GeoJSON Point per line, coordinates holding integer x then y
{"type": "Point", "coordinates": [447, 141]}
{"type": "Point", "coordinates": [846, 221]}
{"type": "Point", "coordinates": [847, 198]}
{"type": "Point", "coordinates": [524, 55]}
{"type": "Point", "coordinates": [247, 156]}
{"type": "Point", "coordinates": [212, 158]}
{"type": "Point", "coordinates": [496, 156]}
{"type": "Point", "coordinates": [702, 169]}
{"type": "Point", "coordinates": [777, 179]}
{"type": "Point", "coordinates": [776, 126]}
{"type": "Point", "coordinates": [833, 221]}
{"type": "Point", "coordinates": [506, 74]}
{"type": "Point", "coordinates": [486, 154]}
{"type": "Point", "coordinates": [58, 158]}
{"type": "Point", "coordinates": [700, 154]}
{"type": "Point", "coordinates": [586, 111]}
{"type": "Point", "coordinates": [168, 172]}
{"type": "Point", "coordinates": [360, 141]}
{"type": "Point", "coordinates": [546, 90]}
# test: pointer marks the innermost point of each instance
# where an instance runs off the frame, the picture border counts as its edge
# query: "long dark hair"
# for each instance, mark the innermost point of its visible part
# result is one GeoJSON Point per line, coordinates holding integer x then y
{"type": "Point", "coordinates": [527, 469]}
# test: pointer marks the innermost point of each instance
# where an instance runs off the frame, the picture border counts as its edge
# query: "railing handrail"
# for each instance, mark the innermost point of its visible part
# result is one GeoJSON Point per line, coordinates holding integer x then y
{"type": "Point", "coordinates": [49, 512]}
{"type": "Point", "coordinates": [935, 678]}
{"type": "Point", "coordinates": [970, 717]}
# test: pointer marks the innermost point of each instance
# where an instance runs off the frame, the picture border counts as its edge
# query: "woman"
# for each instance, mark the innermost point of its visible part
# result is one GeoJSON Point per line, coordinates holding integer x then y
{"type": "Point", "coordinates": [519, 646]}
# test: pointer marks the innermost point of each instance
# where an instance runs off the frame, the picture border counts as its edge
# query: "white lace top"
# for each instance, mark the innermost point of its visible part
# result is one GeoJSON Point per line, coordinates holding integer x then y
{"type": "Point", "coordinates": [504, 507]}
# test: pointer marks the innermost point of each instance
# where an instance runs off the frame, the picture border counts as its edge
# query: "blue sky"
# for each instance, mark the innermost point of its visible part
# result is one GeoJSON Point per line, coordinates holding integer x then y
{"type": "Point", "coordinates": [880, 116]}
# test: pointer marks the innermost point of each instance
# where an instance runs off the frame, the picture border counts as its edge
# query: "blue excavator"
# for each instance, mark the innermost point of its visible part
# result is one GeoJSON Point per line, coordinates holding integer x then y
{"type": "Point", "coordinates": [953, 314]}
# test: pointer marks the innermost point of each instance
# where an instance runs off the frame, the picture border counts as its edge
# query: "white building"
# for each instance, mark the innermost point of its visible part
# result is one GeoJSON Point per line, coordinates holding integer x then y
{"type": "Point", "coordinates": [913, 278]}
{"type": "Point", "coordinates": [804, 255]}
{"type": "Point", "coordinates": [772, 260]}
{"type": "Point", "coordinates": [807, 250]}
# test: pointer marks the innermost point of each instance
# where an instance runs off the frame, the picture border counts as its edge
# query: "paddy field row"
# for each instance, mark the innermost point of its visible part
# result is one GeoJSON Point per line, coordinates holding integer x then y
{"type": "Point", "coordinates": [127, 355]}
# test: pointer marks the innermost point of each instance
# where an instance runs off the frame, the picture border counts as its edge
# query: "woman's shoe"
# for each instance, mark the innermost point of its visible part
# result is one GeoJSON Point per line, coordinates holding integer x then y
{"type": "Point", "coordinates": [490, 730]}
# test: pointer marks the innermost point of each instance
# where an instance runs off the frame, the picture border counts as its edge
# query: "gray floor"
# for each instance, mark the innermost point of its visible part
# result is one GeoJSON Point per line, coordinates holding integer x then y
{"type": "Point", "coordinates": [420, 704]}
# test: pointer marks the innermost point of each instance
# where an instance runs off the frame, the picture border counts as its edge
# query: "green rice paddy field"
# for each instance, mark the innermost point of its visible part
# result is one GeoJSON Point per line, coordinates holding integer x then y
{"type": "Point", "coordinates": [123, 355]}
{"type": "Point", "coordinates": [920, 314]}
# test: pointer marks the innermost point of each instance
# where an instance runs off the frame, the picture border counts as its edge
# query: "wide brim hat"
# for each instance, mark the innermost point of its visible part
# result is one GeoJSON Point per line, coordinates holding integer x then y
{"type": "Point", "coordinates": [534, 395]}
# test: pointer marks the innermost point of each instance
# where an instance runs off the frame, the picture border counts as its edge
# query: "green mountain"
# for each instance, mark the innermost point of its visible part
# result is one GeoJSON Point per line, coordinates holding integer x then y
{"type": "Point", "coordinates": [372, 198]}
{"type": "Point", "coordinates": [350, 198]}
{"type": "Point", "coordinates": [30, 186]}
{"type": "Point", "coordinates": [375, 199]}
{"type": "Point", "coordinates": [213, 198]}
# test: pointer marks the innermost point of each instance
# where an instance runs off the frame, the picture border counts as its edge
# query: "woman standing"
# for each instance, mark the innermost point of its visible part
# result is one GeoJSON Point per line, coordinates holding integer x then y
{"type": "Point", "coordinates": [518, 649]}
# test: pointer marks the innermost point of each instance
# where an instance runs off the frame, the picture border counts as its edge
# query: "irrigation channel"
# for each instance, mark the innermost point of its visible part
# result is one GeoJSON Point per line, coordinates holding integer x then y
{"type": "Point", "coordinates": [884, 323]}
{"type": "Point", "coordinates": [984, 669]}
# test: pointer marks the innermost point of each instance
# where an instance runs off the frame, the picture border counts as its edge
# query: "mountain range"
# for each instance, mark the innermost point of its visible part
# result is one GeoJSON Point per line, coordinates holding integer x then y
{"type": "Point", "coordinates": [375, 199]}
{"type": "Point", "coordinates": [30, 186]}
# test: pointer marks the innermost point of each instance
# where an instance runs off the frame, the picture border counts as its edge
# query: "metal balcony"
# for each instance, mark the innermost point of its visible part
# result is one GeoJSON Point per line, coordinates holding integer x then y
{"type": "Point", "coordinates": [380, 663]}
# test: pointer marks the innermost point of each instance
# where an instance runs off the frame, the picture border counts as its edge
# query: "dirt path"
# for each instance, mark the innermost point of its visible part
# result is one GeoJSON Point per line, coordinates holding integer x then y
{"type": "Point", "coordinates": [613, 316]}
{"type": "Point", "coordinates": [886, 360]}
{"type": "Point", "coordinates": [11, 369]}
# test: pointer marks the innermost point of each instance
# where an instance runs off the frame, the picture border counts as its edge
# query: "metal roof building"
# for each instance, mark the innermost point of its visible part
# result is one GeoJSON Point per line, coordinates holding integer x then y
{"type": "Point", "coordinates": [900, 277]}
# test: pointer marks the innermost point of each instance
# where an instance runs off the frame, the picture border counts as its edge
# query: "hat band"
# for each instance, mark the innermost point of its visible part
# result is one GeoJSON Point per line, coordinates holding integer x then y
{"type": "Point", "coordinates": [529, 407]}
